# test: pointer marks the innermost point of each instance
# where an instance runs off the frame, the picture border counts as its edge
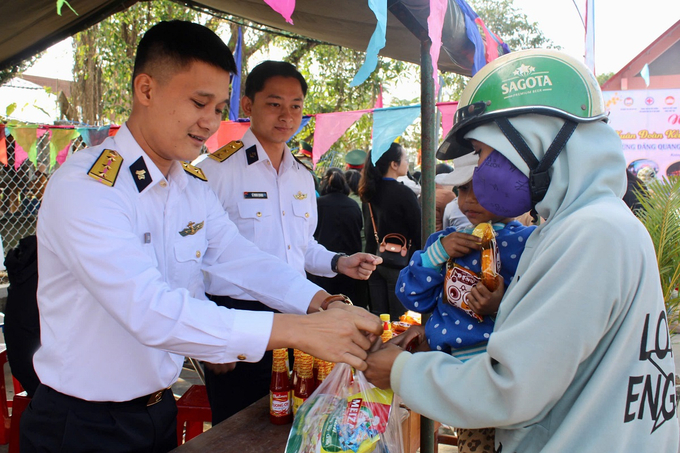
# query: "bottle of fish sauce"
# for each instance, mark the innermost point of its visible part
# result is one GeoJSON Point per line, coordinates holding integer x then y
{"type": "Point", "coordinates": [279, 390]}
{"type": "Point", "coordinates": [304, 385]}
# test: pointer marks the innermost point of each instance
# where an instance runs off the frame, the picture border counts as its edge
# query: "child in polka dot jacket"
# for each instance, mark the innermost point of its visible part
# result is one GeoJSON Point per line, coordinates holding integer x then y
{"type": "Point", "coordinates": [421, 284]}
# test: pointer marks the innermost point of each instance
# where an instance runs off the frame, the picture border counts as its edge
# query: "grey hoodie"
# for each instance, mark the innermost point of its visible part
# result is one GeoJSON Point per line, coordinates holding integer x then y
{"type": "Point", "coordinates": [580, 358]}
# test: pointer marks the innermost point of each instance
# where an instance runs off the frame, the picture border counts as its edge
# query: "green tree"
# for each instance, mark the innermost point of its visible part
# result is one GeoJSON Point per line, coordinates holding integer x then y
{"type": "Point", "coordinates": [602, 78]}
{"type": "Point", "coordinates": [15, 70]}
{"type": "Point", "coordinates": [329, 70]}
{"type": "Point", "coordinates": [104, 57]}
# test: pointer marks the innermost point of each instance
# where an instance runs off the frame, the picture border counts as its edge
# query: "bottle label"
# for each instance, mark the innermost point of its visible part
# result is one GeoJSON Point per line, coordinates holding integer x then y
{"type": "Point", "coordinates": [279, 403]}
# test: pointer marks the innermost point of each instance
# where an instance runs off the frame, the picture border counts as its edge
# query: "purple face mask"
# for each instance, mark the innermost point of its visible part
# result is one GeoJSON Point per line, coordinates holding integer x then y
{"type": "Point", "coordinates": [500, 187]}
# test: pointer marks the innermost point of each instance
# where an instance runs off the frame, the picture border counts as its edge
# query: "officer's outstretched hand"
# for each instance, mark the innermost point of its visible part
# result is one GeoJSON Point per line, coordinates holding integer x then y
{"type": "Point", "coordinates": [359, 266]}
{"type": "Point", "coordinates": [339, 334]}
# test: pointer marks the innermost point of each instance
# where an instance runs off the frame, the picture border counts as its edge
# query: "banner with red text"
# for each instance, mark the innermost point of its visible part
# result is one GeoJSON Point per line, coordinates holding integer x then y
{"type": "Point", "coordinates": [648, 122]}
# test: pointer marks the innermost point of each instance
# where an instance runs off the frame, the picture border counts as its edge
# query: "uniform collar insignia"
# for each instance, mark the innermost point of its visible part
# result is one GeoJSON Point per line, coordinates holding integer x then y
{"type": "Point", "coordinates": [251, 155]}
{"type": "Point", "coordinates": [300, 196]}
{"type": "Point", "coordinates": [194, 171]}
{"type": "Point", "coordinates": [140, 174]}
{"type": "Point", "coordinates": [191, 229]}
{"type": "Point", "coordinates": [226, 151]}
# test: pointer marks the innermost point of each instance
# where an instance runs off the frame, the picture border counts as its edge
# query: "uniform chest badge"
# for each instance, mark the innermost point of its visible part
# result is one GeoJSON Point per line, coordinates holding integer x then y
{"type": "Point", "coordinates": [300, 196]}
{"type": "Point", "coordinates": [191, 229]}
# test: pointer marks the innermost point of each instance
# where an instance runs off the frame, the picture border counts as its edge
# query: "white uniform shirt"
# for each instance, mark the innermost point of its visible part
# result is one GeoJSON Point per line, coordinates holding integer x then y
{"type": "Point", "coordinates": [276, 211]}
{"type": "Point", "coordinates": [121, 294]}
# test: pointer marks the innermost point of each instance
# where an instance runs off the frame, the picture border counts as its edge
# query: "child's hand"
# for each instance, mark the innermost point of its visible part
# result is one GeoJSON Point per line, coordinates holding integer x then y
{"type": "Point", "coordinates": [460, 244]}
{"type": "Point", "coordinates": [412, 340]}
{"type": "Point", "coordinates": [484, 302]}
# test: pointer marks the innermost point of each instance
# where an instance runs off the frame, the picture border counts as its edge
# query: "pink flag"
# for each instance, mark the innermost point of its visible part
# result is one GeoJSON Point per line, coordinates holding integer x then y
{"type": "Point", "coordinates": [435, 22]}
{"type": "Point", "coordinates": [3, 145]}
{"type": "Point", "coordinates": [228, 131]}
{"type": "Point", "coordinates": [330, 127]}
{"type": "Point", "coordinates": [379, 100]}
{"type": "Point", "coordinates": [19, 155]}
{"type": "Point", "coordinates": [448, 110]}
{"type": "Point", "coordinates": [25, 141]}
{"type": "Point", "coordinates": [491, 45]}
{"type": "Point", "coordinates": [283, 7]}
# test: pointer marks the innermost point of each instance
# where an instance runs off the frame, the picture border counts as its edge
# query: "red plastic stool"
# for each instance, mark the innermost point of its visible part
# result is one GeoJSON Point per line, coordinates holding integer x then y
{"type": "Point", "coordinates": [20, 403]}
{"type": "Point", "coordinates": [193, 409]}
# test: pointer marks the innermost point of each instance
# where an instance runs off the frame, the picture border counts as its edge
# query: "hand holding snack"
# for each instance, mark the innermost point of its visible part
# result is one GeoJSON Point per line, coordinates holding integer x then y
{"type": "Point", "coordinates": [458, 244]}
{"type": "Point", "coordinates": [483, 301]}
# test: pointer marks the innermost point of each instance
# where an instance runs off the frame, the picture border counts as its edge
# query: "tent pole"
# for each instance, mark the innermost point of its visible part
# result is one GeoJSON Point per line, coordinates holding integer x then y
{"type": "Point", "coordinates": [427, 195]}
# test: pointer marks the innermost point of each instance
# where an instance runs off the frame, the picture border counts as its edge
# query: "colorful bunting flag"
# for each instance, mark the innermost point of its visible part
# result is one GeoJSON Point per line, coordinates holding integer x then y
{"type": "Point", "coordinates": [93, 136]}
{"type": "Point", "coordinates": [228, 131]}
{"type": "Point", "coordinates": [60, 142]}
{"type": "Point", "coordinates": [435, 23]}
{"type": "Point", "coordinates": [235, 100]}
{"type": "Point", "coordinates": [644, 73]}
{"type": "Point", "coordinates": [330, 127]}
{"type": "Point", "coordinates": [448, 110]}
{"type": "Point", "coordinates": [25, 144]}
{"type": "Point", "coordinates": [283, 7]}
{"type": "Point", "coordinates": [388, 124]}
{"type": "Point", "coordinates": [379, 99]}
{"type": "Point", "coordinates": [377, 42]}
{"type": "Point", "coordinates": [3, 145]}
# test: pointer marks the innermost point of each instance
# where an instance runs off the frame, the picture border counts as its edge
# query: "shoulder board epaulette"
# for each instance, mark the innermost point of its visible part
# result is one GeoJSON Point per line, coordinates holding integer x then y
{"type": "Point", "coordinates": [303, 164]}
{"type": "Point", "coordinates": [106, 167]}
{"type": "Point", "coordinates": [227, 151]}
{"type": "Point", "coordinates": [194, 171]}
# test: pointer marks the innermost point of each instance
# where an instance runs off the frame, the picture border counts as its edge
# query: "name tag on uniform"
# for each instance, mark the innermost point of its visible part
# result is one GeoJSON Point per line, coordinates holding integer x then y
{"type": "Point", "coordinates": [248, 195]}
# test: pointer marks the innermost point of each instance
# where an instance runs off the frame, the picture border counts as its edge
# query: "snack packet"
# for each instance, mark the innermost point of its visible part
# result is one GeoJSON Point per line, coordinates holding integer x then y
{"type": "Point", "coordinates": [491, 263]}
{"type": "Point", "coordinates": [459, 281]}
{"type": "Point", "coordinates": [347, 414]}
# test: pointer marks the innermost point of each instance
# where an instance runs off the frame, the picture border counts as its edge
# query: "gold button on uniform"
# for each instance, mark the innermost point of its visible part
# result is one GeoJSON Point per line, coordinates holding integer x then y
{"type": "Point", "coordinates": [306, 214]}
{"type": "Point", "coordinates": [241, 357]}
{"type": "Point", "coordinates": [198, 253]}
{"type": "Point", "coordinates": [163, 184]}
{"type": "Point", "coordinates": [283, 212]}
{"type": "Point", "coordinates": [259, 214]}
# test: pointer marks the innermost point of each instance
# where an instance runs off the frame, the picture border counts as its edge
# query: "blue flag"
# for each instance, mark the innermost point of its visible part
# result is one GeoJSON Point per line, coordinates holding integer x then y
{"type": "Point", "coordinates": [235, 100]}
{"type": "Point", "coordinates": [388, 124]}
{"type": "Point", "coordinates": [377, 42]}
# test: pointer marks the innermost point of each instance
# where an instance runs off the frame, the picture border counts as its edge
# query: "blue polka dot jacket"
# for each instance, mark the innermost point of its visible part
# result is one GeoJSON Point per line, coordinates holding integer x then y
{"type": "Point", "coordinates": [451, 329]}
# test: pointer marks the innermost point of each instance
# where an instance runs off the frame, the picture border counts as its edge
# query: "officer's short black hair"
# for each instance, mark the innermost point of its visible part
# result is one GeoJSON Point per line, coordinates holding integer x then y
{"type": "Point", "coordinates": [169, 47]}
{"type": "Point", "coordinates": [268, 69]}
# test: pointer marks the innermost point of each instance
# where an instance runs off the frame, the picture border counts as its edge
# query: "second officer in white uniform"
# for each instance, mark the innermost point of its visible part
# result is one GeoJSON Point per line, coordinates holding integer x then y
{"type": "Point", "coordinates": [271, 198]}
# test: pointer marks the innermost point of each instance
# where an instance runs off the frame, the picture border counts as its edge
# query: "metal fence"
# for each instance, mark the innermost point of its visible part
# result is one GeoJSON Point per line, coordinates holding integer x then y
{"type": "Point", "coordinates": [21, 191]}
{"type": "Point", "coordinates": [22, 188]}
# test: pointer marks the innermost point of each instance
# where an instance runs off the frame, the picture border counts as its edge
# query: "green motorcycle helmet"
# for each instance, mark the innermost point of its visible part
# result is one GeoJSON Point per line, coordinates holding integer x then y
{"type": "Point", "coordinates": [538, 81]}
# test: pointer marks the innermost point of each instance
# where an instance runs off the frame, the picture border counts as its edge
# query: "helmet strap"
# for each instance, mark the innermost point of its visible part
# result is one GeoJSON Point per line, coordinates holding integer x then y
{"type": "Point", "coordinates": [539, 179]}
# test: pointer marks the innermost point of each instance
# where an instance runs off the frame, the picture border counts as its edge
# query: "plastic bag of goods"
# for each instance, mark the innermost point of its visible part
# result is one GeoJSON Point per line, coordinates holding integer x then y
{"type": "Point", "coordinates": [347, 414]}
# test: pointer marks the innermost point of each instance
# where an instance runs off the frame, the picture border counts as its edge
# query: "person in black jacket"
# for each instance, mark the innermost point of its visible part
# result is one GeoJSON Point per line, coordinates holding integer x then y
{"type": "Point", "coordinates": [22, 323]}
{"type": "Point", "coordinates": [339, 229]}
{"type": "Point", "coordinates": [395, 210]}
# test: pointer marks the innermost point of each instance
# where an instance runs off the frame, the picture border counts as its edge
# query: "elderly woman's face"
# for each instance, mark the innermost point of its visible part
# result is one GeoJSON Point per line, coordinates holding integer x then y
{"type": "Point", "coordinates": [482, 150]}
